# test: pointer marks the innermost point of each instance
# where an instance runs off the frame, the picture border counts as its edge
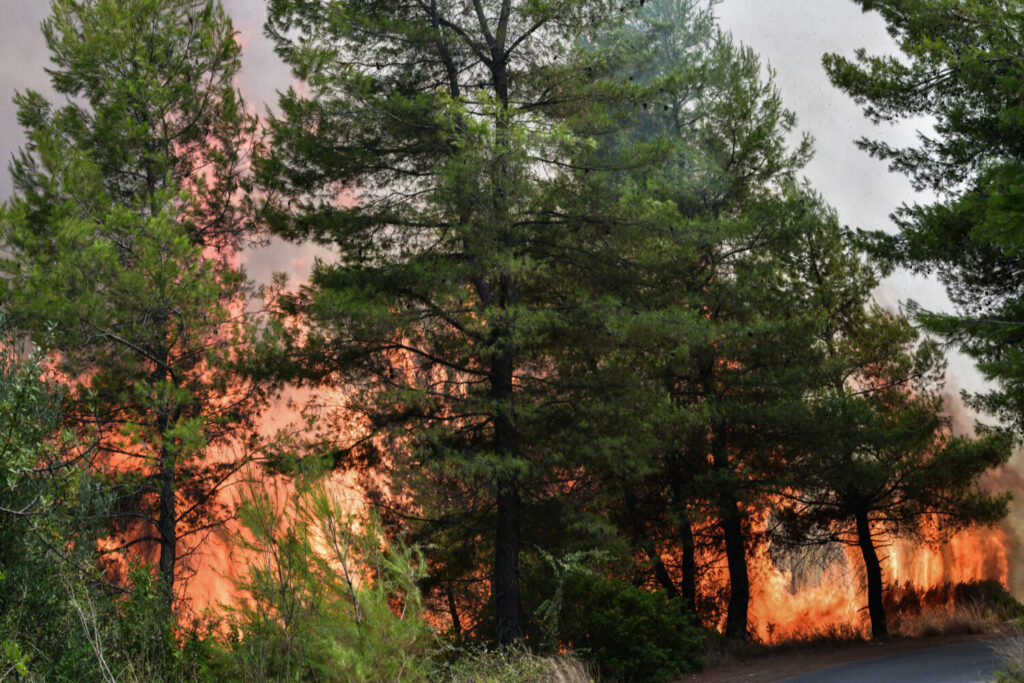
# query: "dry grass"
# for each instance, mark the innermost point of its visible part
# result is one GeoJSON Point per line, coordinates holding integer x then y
{"type": "Point", "coordinates": [951, 620]}
{"type": "Point", "coordinates": [720, 651]}
{"type": "Point", "coordinates": [518, 667]}
{"type": "Point", "coordinates": [830, 634]}
{"type": "Point", "coordinates": [1011, 656]}
{"type": "Point", "coordinates": [569, 670]}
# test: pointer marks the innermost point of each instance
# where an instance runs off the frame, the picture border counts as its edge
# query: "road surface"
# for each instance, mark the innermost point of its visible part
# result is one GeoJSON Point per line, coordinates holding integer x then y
{"type": "Point", "coordinates": [960, 663]}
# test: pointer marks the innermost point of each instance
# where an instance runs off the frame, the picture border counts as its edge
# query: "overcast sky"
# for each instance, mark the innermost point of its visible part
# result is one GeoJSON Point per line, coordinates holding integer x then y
{"type": "Point", "coordinates": [790, 35]}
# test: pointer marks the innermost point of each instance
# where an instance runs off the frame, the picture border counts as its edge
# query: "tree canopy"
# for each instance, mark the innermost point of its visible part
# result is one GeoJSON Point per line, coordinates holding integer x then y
{"type": "Point", "coordinates": [958, 65]}
{"type": "Point", "coordinates": [121, 245]}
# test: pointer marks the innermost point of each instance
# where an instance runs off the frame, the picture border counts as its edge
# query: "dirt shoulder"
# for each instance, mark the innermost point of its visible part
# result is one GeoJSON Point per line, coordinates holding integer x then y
{"type": "Point", "coordinates": [799, 660]}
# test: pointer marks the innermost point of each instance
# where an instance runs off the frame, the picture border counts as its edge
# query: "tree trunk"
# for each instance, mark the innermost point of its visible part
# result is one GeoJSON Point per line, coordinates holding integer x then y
{"type": "Point", "coordinates": [506, 562]}
{"type": "Point", "coordinates": [642, 541]}
{"type": "Point", "coordinates": [167, 526]}
{"type": "Point", "coordinates": [736, 556]}
{"type": "Point", "coordinates": [873, 569]}
{"type": "Point", "coordinates": [729, 515]}
{"type": "Point", "coordinates": [688, 580]}
{"type": "Point", "coordinates": [509, 498]}
{"type": "Point", "coordinates": [735, 545]}
{"type": "Point", "coordinates": [689, 559]}
{"type": "Point", "coordinates": [509, 513]}
{"type": "Point", "coordinates": [167, 517]}
{"type": "Point", "coordinates": [454, 611]}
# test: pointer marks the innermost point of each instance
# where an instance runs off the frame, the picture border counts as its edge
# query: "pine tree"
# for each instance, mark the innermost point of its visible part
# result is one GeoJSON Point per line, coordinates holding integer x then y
{"type": "Point", "coordinates": [456, 292]}
{"type": "Point", "coordinates": [879, 459]}
{"type": "Point", "coordinates": [123, 234]}
{"type": "Point", "coordinates": [959, 64]}
{"type": "Point", "coordinates": [723, 333]}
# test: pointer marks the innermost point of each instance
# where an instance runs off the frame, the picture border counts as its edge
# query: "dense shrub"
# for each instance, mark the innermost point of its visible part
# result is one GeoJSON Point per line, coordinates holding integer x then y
{"type": "Point", "coordinates": [629, 633]}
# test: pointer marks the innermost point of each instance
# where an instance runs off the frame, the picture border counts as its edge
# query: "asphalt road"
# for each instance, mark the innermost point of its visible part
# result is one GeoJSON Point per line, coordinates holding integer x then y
{"type": "Point", "coordinates": [960, 663]}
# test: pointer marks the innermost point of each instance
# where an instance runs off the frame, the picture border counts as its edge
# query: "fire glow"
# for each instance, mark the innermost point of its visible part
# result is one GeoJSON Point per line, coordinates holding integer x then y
{"type": "Point", "coordinates": [836, 600]}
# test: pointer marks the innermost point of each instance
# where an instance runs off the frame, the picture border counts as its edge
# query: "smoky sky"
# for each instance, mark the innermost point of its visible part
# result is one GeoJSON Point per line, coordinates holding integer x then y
{"type": "Point", "coordinates": [790, 35]}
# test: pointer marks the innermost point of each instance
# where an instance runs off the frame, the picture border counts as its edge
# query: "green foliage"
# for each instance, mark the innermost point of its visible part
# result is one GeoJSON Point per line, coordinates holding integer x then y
{"type": "Point", "coordinates": [119, 245]}
{"type": "Point", "coordinates": [629, 633]}
{"type": "Point", "coordinates": [326, 597]}
{"type": "Point", "coordinates": [881, 440]}
{"type": "Point", "coordinates": [458, 283]}
{"type": "Point", "coordinates": [12, 660]}
{"type": "Point", "coordinates": [132, 637]}
{"type": "Point", "coordinates": [558, 572]}
{"type": "Point", "coordinates": [44, 530]}
{"type": "Point", "coordinates": [959, 65]}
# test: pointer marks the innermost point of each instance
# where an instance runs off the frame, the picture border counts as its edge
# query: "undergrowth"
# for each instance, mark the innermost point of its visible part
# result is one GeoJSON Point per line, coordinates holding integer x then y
{"type": "Point", "coordinates": [515, 666]}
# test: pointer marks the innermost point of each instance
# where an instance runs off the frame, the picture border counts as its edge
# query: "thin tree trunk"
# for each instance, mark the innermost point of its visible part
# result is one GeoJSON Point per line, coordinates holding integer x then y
{"type": "Point", "coordinates": [873, 569]}
{"type": "Point", "coordinates": [688, 582]}
{"type": "Point", "coordinates": [167, 526]}
{"type": "Point", "coordinates": [641, 540]}
{"type": "Point", "coordinates": [453, 610]}
{"type": "Point", "coordinates": [167, 517]}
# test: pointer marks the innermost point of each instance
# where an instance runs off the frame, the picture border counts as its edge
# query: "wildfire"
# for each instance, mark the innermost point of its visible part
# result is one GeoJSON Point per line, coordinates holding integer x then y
{"type": "Point", "coordinates": [788, 604]}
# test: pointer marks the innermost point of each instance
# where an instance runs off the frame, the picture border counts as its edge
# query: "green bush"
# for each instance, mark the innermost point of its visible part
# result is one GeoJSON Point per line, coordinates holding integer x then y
{"type": "Point", "coordinates": [629, 633]}
{"type": "Point", "coordinates": [326, 597]}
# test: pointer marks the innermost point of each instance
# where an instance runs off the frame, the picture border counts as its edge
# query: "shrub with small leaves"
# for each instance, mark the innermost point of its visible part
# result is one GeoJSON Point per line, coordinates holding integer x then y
{"type": "Point", "coordinates": [629, 633]}
{"type": "Point", "coordinates": [326, 597]}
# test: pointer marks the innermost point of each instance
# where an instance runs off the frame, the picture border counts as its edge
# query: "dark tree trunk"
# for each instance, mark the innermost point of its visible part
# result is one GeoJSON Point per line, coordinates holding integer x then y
{"type": "Point", "coordinates": [167, 526]}
{"type": "Point", "coordinates": [509, 513]}
{"type": "Point", "coordinates": [641, 540]}
{"type": "Point", "coordinates": [873, 569]}
{"type": "Point", "coordinates": [454, 611]}
{"type": "Point", "coordinates": [689, 560]}
{"type": "Point", "coordinates": [688, 580]}
{"type": "Point", "coordinates": [735, 545]}
{"type": "Point", "coordinates": [506, 562]}
{"type": "Point", "coordinates": [660, 571]}
{"type": "Point", "coordinates": [736, 556]}
{"type": "Point", "coordinates": [167, 516]}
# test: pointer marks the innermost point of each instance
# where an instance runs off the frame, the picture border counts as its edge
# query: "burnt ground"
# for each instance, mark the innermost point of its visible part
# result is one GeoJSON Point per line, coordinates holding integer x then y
{"type": "Point", "coordinates": [797, 660]}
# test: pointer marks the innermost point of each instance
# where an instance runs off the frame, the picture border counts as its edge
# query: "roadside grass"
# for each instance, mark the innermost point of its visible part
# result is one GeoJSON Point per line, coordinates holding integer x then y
{"type": "Point", "coordinates": [952, 620]}
{"type": "Point", "coordinates": [513, 666]}
{"type": "Point", "coordinates": [949, 610]}
{"type": "Point", "coordinates": [1011, 653]}
{"type": "Point", "coordinates": [721, 651]}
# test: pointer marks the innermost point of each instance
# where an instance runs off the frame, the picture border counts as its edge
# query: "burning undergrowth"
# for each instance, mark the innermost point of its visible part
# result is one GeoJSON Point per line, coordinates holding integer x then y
{"type": "Point", "coordinates": [958, 586]}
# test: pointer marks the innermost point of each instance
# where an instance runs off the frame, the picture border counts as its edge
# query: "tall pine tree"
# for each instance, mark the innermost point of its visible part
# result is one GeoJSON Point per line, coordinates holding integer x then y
{"type": "Point", "coordinates": [960, 64]}
{"type": "Point", "coordinates": [455, 295]}
{"type": "Point", "coordinates": [123, 234]}
{"type": "Point", "coordinates": [723, 332]}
